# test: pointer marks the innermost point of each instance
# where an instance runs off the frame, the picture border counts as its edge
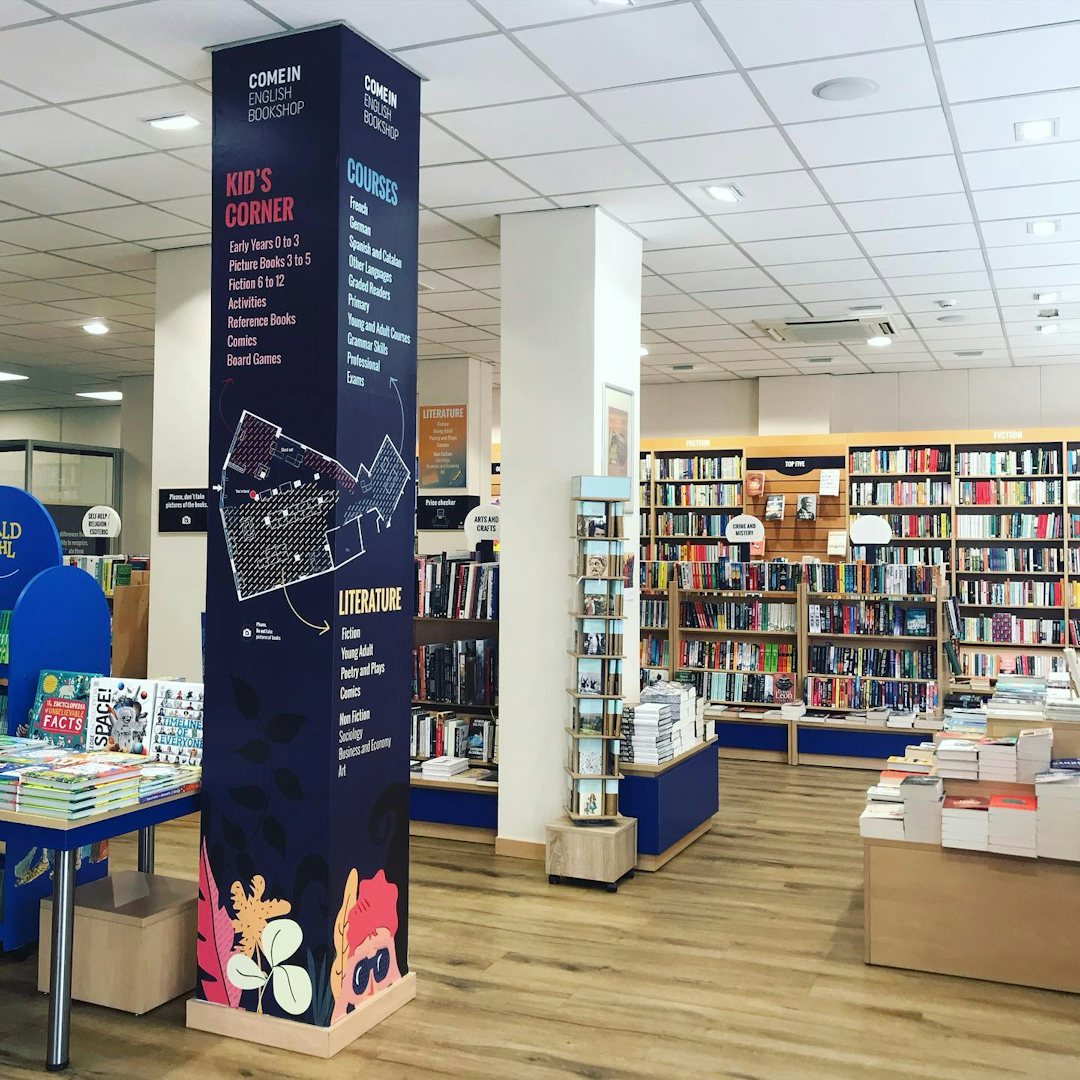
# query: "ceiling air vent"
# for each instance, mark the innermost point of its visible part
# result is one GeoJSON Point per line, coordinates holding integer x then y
{"type": "Point", "coordinates": [828, 331]}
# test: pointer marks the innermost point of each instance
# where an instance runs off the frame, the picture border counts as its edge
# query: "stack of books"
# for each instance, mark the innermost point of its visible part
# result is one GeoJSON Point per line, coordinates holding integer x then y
{"type": "Point", "coordinates": [882, 821]}
{"type": "Point", "coordinates": [997, 759]}
{"type": "Point", "coordinates": [965, 822]}
{"type": "Point", "coordinates": [1018, 697]}
{"type": "Point", "coordinates": [922, 798]}
{"type": "Point", "coordinates": [444, 767]}
{"type": "Point", "coordinates": [77, 789]}
{"type": "Point", "coordinates": [1013, 825]}
{"type": "Point", "coordinates": [966, 721]}
{"type": "Point", "coordinates": [901, 719]}
{"type": "Point", "coordinates": [158, 781]}
{"type": "Point", "coordinates": [1034, 747]}
{"type": "Point", "coordinates": [958, 759]}
{"type": "Point", "coordinates": [1057, 792]}
{"type": "Point", "coordinates": [646, 732]}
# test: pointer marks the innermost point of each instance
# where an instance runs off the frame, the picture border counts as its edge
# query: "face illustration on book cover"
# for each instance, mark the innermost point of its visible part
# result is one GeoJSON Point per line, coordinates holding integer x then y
{"type": "Point", "coordinates": [596, 566]}
{"type": "Point", "coordinates": [774, 508]}
{"type": "Point", "coordinates": [807, 508]}
{"type": "Point", "coordinates": [783, 689]}
{"type": "Point", "coordinates": [755, 484]}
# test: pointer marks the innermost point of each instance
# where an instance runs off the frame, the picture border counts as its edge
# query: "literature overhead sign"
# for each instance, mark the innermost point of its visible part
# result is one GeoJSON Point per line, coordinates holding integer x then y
{"type": "Point", "coordinates": [443, 445]}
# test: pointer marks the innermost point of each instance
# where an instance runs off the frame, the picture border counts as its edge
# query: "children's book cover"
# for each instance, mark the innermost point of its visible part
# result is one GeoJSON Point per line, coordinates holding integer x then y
{"type": "Point", "coordinates": [120, 714]}
{"type": "Point", "coordinates": [60, 708]}
{"type": "Point", "coordinates": [176, 734]}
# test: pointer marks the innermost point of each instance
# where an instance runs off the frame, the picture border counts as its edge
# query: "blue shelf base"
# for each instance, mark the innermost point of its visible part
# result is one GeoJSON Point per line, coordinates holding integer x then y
{"type": "Point", "coordinates": [673, 807]}
{"type": "Point", "coordinates": [753, 736]}
{"type": "Point", "coordinates": [465, 809]}
{"type": "Point", "coordinates": [873, 746]}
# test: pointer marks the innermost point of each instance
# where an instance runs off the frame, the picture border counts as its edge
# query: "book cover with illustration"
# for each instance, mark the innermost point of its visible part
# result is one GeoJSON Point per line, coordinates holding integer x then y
{"type": "Point", "coordinates": [60, 708]}
{"type": "Point", "coordinates": [590, 798]}
{"type": "Point", "coordinates": [590, 757]}
{"type": "Point", "coordinates": [755, 484]}
{"type": "Point", "coordinates": [176, 733]}
{"type": "Point", "coordinates": [120, 714]}
{"type": "Point", "coordinates": [774, 508]}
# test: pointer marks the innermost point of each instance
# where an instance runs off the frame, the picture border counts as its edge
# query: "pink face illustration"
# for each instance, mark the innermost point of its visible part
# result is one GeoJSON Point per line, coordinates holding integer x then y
{"type": "Point", "coordinates": [371, 964]}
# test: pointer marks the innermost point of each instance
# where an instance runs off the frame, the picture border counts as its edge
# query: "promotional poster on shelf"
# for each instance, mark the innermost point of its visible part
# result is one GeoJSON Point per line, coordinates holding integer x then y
{"type": "Point", "coordinates": [304, 863]}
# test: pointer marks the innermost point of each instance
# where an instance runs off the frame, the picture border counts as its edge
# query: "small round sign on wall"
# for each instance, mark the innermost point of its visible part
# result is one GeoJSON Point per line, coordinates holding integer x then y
{"type": "Point", "coordinates": [870, 529]}
{"type": "Point", "coordinates": [101, 522]}
{"type": "Point", "coordinates": [482, 523]}
{"type": "Point", "coordinates": [744, 529]}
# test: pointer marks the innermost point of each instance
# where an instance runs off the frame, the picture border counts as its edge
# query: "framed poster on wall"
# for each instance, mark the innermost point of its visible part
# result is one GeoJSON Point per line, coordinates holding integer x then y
{"type": "Point", "coordinates": [618, 430]}
{"type": "Point", "coordinates": [443, 445]}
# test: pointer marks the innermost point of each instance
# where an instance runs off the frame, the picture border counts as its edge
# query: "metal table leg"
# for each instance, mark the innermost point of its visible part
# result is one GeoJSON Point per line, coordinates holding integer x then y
{"type": "Point", "coordinates": [146, 850]}
{"type": "Point", "coordinates": [63, 932]}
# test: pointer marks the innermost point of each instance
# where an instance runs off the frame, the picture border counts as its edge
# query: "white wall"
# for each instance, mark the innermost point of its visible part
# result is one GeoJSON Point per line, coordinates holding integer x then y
{"type": "Point", "coordinates": [1029, 396]}
{"type": "Point", "coordinates": [137, 440]}
{"type": "Point", "coordinates": [90, 425]}
{"type": "Point", "coordinates": [180, 457]}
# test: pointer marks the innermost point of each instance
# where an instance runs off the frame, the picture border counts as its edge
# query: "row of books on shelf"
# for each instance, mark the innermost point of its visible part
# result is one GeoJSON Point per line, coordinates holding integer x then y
{"type": "Point", "coordinates": [990, 665]}
{"type": "Point", "coordinates": [458, 769]}
{"type": "Point", "coordinates": [1004, 628]}
{"type": "Point", "coordinates": [900, 459]}
{"type": "Point", "coordinates": [769, 657]}
{"type": "Point", "coordinates": [1013, 525]}
{"type": "Point", "coordinates": [918, 663]}
{"type": "Point", "coordinates": [672, 551]}
{"type": "Point", "coordinates": [931, 555]}
{"type": "Point", "coordinates": [870, 617]}
{"type": "Point", "coordinates": [669, 720]}
{"type": "Point", "coordinates": [899, 493]}
{"type": "Point", "coordinates": [1032, 560]}
{"type": "Point", "coordinates": [743, 687]}
{"type": "Point", "coordinates": [1008, 492]}
{"type": "Point", "coordinates": [896, 579]}
{"type": "Point", "coordinates": [654, 651]}
{"type": "Point", "coordinates": [109, 571]}
{"type": "Point", "coordinates": [698, 495]}
{"type": "Point", "coordinates": [445, 733]}
{"type": "Point", "coordinates": [464, 672]}
{"type": "Point", "coordinates": [723, 575]}
{"type": "Point", "coordinates": [776, 617]}
{"type": "Point", "coordinates": [693, 467]}
{"type": "Point", "coordinates": [861, 692]}
{"type": "Point", "coordinates": [654, 614]}
{"type": "Point", "coordinates": [38, 777]}
{"type": "Point", "coordinates": [1025, 592]}
{"type": "Point", "coordinates": [456, 586]}
{"type": "Point", "coordinates": [936, 525]}
{"type": "Point", "coordinates": [1026, 461]}
{"type": "Point", "coordinates": [687, 523]}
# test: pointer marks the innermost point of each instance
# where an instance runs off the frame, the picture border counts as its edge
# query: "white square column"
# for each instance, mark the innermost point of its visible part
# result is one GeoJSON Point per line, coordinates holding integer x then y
{"type": "Point", "coordinates": [571, 324]}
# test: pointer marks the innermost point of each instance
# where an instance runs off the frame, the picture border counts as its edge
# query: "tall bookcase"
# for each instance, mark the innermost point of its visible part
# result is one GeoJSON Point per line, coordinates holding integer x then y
{"type": "Point", "coordinates": [1010, 555]}
{"type": "Point", "coordinates": [1072, 535]}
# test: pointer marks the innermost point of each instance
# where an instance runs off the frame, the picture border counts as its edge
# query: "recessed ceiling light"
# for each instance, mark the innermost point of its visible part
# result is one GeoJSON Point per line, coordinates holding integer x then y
{"type": "Point", "coordinates": [945, 303]}
{"type": "Point", "coordinates": [178, 122]}
{"type": "Point", "coordinates": [95, 326]}
{"type": "Point", "coordinates": [10, 376]}
{"type": "Point", "coordinates": [725, 192]}
{"type": "Point", "coordinates": [867, 309]}
{"type": "Point", "coordinates": [1043, 228]}
{"type": "Point", "coordinates": [1046, 328]}
{"type": "Point", "coordinates": [819, 359]}
{"type": "Point", "coordinates": [968, 354]}
{"type": "Point", "coordinates": [614, 3]}
{"type": "Point", "coordinates": [682, 367]}
{"type": "Point", "coordinates": [879, 341]}
{"type": "Point", "coordinates": [1046, 297]}
{"type": "Point", "coordinates": [103, 395]}
{"type": "Point", "coordinates": [1035, 130]}
{"type": "Point", "coordinates": [643, 351]}
{"type": "Point", "coordinates": [846, 89]}
{"type": "Point", "coordinates": [951, 318]}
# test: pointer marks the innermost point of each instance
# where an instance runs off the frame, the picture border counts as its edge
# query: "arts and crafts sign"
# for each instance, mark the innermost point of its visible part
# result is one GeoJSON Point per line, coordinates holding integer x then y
{"type": "Point", "coordinates": [303, 876]}
{"type": "Point", "coordinates": [443, 445]}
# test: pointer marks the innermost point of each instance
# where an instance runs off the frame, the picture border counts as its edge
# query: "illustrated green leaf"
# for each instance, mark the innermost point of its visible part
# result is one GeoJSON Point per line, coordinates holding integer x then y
{"type": "Point", "coordinates": [280, 939]}
{"type": "Point", "coordinates": [292, 988]}
{"type": "Point", "coordinates": [244, 973]}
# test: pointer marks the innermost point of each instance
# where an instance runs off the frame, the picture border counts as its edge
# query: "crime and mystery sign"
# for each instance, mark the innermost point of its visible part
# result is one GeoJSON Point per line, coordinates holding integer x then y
{"type": "Point", "coordinates": [182, 510]}
{"type": "Point", "coordinates": [744, 529]}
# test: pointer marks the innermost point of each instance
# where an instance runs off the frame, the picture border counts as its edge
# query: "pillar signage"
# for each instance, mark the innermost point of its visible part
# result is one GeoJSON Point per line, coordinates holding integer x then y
{"type": "Point", "coordinates": [303, 909]}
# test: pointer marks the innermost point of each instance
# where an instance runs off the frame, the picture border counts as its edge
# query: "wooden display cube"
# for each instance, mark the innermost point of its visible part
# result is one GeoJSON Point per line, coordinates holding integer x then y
{"type": "Point", "coordinates": [134, 945]}
{"type": "Point", "coordinates": [592, 852]}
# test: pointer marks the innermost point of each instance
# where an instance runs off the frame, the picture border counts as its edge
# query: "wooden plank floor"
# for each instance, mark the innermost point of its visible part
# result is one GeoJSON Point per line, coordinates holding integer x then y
{"type": "Point", "coordinates": [741, 958]}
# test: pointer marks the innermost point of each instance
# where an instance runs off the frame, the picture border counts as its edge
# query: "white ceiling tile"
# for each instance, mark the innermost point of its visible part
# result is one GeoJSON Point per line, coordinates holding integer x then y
{"type": "Point", "coordinates": [595, 53]}
{"type": "Point", "coordinates": [913, 302]}
{"type": "Point", "coordinates": [801, 249]}
{"type": "Point", "coordinates": [11, 99]}
{"type": "Point", "coordinates": [971, 316]}
{"type": "Point", "coordinates": [841, 308]}
{"type": "Point", "coordinates": [903, 213]}
{"type": "Point", "coordinates": [458, 253]}
{"type": "Point", "coordinates": [1044, 279]}
{"type": "Point", "coordinates": [14, 12]}
{"type": "Point", "coordinates": [963, 18]}
{"type": "Point", "coordinates": [528, 127]}
{"type": "Point", "coordinates": [433, 227]}
{"type": "Point", "coordinates": [906, 241]}
{"type": "Point", "coordinates": [200, 156]}
{"type": "Point", "coordinates": [630, 205]}
{"type": "Point", "coordinates": [1005, 258]}
{"type": "Point", "coordinates": [777, 31]}
{"type": "Point", "coordinates": [141, 223]}
{"type": "Point", "coordinates": [483, 218]}
{"type": "Point", "coordinates": [674, 301]}
{"type": "Point", "coordinates": [438, 147]}
{"type": "Point", "coordinates": [679, 232]}
{"type": "Point", "coordinates": [515, 13]}
{"type": "Point", "coordinates": [705, 157]}
{"type": "Point", "coordinates": [449, 185]}
{"type": "Point", "coordinates": [667, 320]}
{"type": "Point", "coordinates": [1023, 62]}
{"type": "Point", "coordinates": [710, 337]}
{"type": "Point", "coordinates": [195, 208]}
{"type": "Point", "coordinates": [11, 164]}
{"type": "Point", "coordinates": [433, 320]}
{"type": "Point", "coordinates": [929, 262]}
{"type": "Point", "coordinates": [781, 224]}
{"type": "Point", "coordinates": [45, 234]}
{"type": "Point", "coordinates": [914, 133]}
{"type": "Point", "coordinates": [146, 178]}
{"type": "Point", "coordinates": [433, 282]}
{"type": "Point", "coordinates": [35, 292]}
{"type": "Point", "coordinates": [111, 284]}
{"type": "Point", "coordinates": [685, 260]}
{"type": "Point", "coordinates": [1014, 231]}
{"type": "Point", "coordinates": [988, 331]}
{"type": "Point", "coordinates": [1015, 301]}
{"type": "Point", "coordinates": [743, 316]}
{"type": "Point", "coordinates": [988, 125]}
{"type": "Point", "coordinates": [891, 179]}
{"type": "Point", "coordinates": [477, 277]}
{"type": "Point", "coordinates": [946, 284]}
{"type": "Point", "coordinates": [390, 23]}
{"type": "Point", "coordinates": [775, 191]}
{"type": "Point", "coordinates": [1042, 200]}
{"type": "Point", "coordinates": [1042, 360]}
{"type": "Point", "coordinates": [905, 79]}
{"type": "Point", "coordinates": [175, 36]}
{"type": "Point", "coordinates": [79, 66]}
{"type": "Point", "coordinates": [113, 256]}
{"type": "Point", "coordinates": [707, 280]}
{"type": "Point", "coordinates": [48, 192]}
{"type": "Point", "coordinates": [43, 266]}
{"type": "Point", "coordinates": [129, 113]}
{"type": "Point", "coordinates": [1049, 163]}
{"type": "Point", "coordinates": [55, 137]}
{"type": "Point", "coordinates": [734, 297]}
{"type": "Point", "coordinates": [867, 289]}
{"type": "Point", "coordinates": [826, 270]}
{"type": "Point", "coordinates": [668, 110]}
{"type": "Point", "coordinates": [580, 170]}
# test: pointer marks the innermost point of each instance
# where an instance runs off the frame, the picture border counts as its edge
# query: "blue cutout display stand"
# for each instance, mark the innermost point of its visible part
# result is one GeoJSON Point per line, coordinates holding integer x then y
{"type": "Point", "coordinates": [672, 804]}
{"type": "Point", "coordinates": [60, 619]}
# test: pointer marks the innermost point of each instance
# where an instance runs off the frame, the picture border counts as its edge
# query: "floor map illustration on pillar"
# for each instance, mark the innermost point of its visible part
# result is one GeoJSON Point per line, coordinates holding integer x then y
{"type": "Point", "coordinates": [303, 878]}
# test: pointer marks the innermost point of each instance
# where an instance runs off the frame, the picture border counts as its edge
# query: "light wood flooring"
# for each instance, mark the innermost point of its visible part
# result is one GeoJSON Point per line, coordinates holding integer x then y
{"type": "Point", "coordinates": [741, 958]}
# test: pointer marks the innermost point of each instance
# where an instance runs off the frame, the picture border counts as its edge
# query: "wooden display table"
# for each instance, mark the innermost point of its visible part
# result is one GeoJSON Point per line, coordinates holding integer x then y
{"type": "Point", "coordinates": [975, 914]}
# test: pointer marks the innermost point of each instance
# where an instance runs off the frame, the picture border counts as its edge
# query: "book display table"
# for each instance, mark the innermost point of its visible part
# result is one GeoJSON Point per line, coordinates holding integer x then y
{"type": "Point", "coordinates": [979, 915]}
{"type": "Point", "coordinates": [64, 838]}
